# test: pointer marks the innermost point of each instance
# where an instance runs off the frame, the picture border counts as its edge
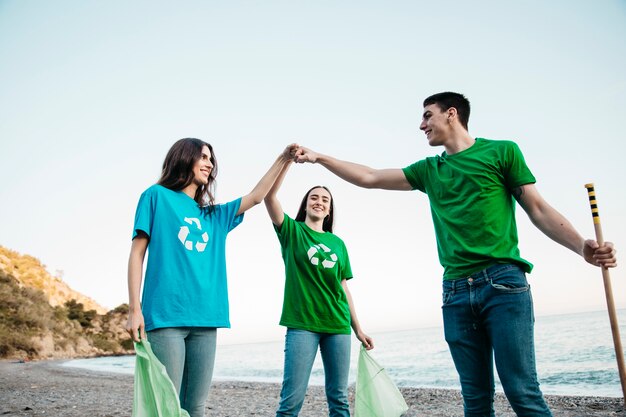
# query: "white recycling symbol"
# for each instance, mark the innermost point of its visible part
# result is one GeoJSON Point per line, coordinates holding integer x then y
{"type": "Point", "coordinates": [183, 234]}
{"type": "Point", "coordinates": [314, 257]}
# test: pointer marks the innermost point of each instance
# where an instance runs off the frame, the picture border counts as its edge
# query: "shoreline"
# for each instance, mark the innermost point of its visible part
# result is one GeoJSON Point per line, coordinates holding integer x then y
{"type": "Point", "coordinates": [45, 387]}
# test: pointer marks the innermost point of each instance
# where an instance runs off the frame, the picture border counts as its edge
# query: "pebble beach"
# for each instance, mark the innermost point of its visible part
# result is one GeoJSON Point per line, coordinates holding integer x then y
{"type": "Point", "coordinates": [49, 389]}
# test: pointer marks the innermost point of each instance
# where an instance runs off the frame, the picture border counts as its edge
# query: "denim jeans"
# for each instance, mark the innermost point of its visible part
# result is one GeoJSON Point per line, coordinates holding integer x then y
{"type": "Point", "coordinates": [490, 315]}
{"type": "Point", "coordinates": [188, 354]}
{"type": "Point", "coordinates": [300, 350]}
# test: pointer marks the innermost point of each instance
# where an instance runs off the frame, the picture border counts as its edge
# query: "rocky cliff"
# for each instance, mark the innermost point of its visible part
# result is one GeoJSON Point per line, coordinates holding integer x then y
{"type": "Point", "coordinates": [42, 317]}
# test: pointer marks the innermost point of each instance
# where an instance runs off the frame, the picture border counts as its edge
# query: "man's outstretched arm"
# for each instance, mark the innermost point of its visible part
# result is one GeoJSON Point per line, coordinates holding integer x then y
{"type": "Point", "coordinates": [357, 174]}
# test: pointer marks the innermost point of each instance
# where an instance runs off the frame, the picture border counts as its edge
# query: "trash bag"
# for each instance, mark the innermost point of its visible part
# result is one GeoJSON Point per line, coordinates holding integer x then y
{"type": "Point", "coordinates": [155, 395]}
{"type": "Point", "coordinates": [376, 394]}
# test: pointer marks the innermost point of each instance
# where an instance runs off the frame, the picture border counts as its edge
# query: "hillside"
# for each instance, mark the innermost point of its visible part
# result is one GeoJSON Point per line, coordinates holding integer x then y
{"type": "Point", "coordinates": [42, 317]}
{"type": "Point", "coordinates": [29, 272]}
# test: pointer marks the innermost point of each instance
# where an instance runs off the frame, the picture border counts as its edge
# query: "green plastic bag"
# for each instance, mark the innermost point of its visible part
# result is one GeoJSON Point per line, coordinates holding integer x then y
{"type": "Point", "coordinates": [376, 394]}
{"type": "Point", "coordinates": [155, 395]}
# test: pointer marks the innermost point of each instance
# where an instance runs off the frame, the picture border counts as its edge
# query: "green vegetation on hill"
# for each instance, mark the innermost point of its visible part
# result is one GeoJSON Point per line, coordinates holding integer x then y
{"type": "Point", "coordinates": [31, 328]}
{"type": "Point", "coordinates": [30, 272]}
{"type": "Point", "coordinates": [23, 313]}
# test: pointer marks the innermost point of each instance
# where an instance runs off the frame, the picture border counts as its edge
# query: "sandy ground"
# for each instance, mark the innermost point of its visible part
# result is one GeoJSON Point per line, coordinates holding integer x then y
{"type": "Point", "coordinates": [46, 388]}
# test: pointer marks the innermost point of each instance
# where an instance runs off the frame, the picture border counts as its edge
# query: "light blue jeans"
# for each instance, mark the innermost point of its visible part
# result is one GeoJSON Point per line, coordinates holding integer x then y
{"type": "Point", "coordinates": [300, 351]}
{"type": "Point", "coordinates": [487, 315]}
{"type": "Point", "coordinates": [188, 354]}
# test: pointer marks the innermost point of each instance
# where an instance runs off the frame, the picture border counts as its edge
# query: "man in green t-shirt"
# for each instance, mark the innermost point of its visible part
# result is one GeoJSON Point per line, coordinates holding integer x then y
{"type": "Point", "coordinates": [487, 307]}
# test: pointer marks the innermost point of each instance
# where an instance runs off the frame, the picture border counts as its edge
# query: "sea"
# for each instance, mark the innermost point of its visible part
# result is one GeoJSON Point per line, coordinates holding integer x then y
{"type": "Point", "coordinates": [575, 356]}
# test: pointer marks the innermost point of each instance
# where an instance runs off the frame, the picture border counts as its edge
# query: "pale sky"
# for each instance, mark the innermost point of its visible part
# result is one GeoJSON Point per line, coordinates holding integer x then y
{"type": "Point", "coordinates": [95, 93]}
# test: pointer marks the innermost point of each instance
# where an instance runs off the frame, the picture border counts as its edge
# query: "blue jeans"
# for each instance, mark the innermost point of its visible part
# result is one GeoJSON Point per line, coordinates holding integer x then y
{"type": "Point", "coordinates": [188, 354]}
{"type": "Point", "coordinates": [487, 315]}
{"type": "Point", "coordinates": [300, 350]}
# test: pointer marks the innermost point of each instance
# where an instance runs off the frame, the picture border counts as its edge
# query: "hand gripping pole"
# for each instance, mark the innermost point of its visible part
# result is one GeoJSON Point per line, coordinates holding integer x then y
{"type": "Point", "coordinates": [608, 291]}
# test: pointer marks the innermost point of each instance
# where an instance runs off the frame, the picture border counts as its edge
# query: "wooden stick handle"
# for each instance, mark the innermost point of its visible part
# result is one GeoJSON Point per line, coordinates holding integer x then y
{"type": "Point", "coordinates": [608, 292]}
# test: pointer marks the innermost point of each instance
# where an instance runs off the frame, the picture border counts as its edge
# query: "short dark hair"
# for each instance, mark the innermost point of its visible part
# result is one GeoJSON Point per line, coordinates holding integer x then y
{"type": "Point", "coordinates": [177, 172]}
{"type": "Point", "coordinates": [327, 225]}
{"type": "Point", "coordinates": [448, 99]}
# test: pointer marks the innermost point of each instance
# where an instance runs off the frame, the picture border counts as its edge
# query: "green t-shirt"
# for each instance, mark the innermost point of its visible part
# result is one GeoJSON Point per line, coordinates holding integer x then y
{"type": "Point", "coordinates": [471, 204]}
{"type": "Point", "coordinates": [315, 265]}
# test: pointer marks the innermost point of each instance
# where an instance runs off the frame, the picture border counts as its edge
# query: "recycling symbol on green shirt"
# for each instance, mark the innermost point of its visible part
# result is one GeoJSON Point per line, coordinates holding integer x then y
{"type": "Point", "coordinates": [183, 235]}
{"type": "Point", "coordinates": [322, 251]}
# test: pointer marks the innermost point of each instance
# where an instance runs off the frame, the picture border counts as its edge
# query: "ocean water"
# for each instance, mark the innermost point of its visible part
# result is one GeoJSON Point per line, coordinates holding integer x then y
{"type": "Point", "coordinates": [575, 356]}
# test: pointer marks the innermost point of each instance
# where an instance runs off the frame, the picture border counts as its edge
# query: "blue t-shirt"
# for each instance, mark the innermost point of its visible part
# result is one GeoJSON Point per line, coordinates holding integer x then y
{"type": "Point", "coordinates": [185, 283]}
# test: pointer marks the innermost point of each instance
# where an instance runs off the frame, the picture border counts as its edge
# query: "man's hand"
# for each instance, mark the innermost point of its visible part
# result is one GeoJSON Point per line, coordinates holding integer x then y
{"type": "Point", "coordinates": [306, 155]}
{"type": "Point", "coordinates": [603, 256]}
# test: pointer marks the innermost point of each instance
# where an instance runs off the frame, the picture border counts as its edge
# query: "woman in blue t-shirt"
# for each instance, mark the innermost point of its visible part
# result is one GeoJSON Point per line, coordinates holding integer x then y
{"type": "Point", "coordinates": [185, 297]}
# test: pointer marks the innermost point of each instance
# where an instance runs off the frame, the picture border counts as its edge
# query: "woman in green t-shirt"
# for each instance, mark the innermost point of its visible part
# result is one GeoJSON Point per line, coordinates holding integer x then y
{"type": "Point", "coordinates": [317, 309]}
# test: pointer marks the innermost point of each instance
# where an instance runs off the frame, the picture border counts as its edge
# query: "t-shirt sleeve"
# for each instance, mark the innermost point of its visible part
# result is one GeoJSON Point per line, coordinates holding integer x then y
{"type": "Point", "coordinates": [144, 215]}
{"type": "Point", "coordinates": [285, 229]}
{"type": "Point", "coordinates": [346, 268]}
{"type": "Point", "coordinates": [517, 172]}
{"type": "Point", "coordinates": [413, 174]}
{"type": "Point", "coordinates": [228, 214]}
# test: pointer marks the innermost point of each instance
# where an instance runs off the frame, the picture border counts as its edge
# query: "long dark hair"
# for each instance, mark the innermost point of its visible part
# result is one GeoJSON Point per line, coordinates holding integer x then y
{"type": "Point", "coordinates": [177, 172]}
{"type": "Point", "coordinates": [327, 225]}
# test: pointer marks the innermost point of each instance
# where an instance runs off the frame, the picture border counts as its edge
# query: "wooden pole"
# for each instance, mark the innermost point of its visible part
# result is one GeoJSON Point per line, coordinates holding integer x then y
{"type": "Point", "coordinates": [608, 291]}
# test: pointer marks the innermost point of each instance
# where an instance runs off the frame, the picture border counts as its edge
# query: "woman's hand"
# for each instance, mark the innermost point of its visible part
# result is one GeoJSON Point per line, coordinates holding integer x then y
{"type": "Point", "coordinates": [135, 325]}
{"type": "Point", "coordinates": [366, 341]}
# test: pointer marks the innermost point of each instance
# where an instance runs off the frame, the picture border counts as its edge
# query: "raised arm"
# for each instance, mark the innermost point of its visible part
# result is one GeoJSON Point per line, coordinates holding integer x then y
{"type": "Point", "coordinates": [260, 190]}
{"type": "Point", "coordinates": [274, 208]}
{"type": "Point", "coordinates": [361, 175]}
{"type": "Point", "coordinates": [367, 341]}
{"type": "Point", "coordinates": [135, 325]}
{"type": "Point", "coordinates": [554, 225]}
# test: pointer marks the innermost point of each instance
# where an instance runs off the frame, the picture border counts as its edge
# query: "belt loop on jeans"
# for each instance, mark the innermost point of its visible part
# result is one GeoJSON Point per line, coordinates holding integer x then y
{"type": "Point", "coordinates": [451, 284]}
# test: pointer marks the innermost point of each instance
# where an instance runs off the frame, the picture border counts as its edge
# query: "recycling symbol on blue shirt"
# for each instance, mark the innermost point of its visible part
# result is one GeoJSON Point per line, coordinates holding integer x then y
{"type": "Point", "coordinates": [185, 238]}
{"type": "Point", "coordinates": [320, 250]}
